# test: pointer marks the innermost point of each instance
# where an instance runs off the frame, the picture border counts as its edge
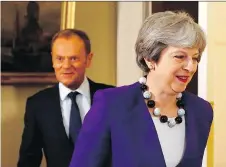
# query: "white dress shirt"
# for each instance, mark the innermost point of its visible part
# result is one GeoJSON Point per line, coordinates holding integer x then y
{"type": "Point", "coordinates": [83, 101]}
{"type": "Point", "coordinates": [172, 141]}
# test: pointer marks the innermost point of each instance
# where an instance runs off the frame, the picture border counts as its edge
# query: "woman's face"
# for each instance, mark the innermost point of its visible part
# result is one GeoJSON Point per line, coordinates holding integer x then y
{"type": "Point", "coordinates": [176, 68]}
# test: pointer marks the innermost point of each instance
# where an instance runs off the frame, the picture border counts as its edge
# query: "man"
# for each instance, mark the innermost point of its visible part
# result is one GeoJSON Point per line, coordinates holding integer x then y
{"type": "Point", "coordinates": [53, 116]}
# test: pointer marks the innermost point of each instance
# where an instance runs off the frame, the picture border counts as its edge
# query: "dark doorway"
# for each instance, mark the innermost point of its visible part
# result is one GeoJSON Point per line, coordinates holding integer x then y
{"type": "Point", "coordinates": [190, 7]}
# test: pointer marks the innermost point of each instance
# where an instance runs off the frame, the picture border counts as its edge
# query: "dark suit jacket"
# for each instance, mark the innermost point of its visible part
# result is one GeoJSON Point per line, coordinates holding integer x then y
{"type": "Point", "coordinates": [44, 128]}
{"type": "Point", "coordinates": [119, 128]}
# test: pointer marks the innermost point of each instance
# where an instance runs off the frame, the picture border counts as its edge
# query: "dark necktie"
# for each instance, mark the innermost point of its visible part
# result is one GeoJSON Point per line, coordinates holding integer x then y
{"type": "Point", "coordinates": [75, 118]}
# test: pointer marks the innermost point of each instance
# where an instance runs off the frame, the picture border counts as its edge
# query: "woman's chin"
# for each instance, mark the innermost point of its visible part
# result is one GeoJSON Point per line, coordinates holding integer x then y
{"type": "Point", "coordinates": [178, 89]}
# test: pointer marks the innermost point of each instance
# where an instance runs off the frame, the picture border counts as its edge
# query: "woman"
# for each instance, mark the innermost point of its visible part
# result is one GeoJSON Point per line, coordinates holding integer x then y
{"type": "Point", "coordinates": [153, 122]}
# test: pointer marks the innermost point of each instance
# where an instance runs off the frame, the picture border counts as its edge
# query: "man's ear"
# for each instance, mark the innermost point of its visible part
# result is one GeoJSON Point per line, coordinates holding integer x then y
{"type": "Point", "coordinates": [52, 59]}
{"type": "Point", "coordinates": [89, 59]}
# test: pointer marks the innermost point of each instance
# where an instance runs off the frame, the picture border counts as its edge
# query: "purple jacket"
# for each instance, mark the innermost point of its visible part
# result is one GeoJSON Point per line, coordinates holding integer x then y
{"type": "Point", "coordinates": [118, 131]}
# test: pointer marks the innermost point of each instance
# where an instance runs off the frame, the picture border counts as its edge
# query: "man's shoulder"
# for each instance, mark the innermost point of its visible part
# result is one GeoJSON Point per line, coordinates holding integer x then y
{"type": "Point", "coordinates": [120, 93]}
{"type": "Point", "coordinates": [44, 93]}
{"type": "Point", "coordinates": [99, 85]}
{"type": "Point", "coordinates": [104, 86]}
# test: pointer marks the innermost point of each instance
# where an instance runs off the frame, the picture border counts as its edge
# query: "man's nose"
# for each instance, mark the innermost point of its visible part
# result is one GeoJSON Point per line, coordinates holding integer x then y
{"type": "Point", "coordinates": [66, 63]}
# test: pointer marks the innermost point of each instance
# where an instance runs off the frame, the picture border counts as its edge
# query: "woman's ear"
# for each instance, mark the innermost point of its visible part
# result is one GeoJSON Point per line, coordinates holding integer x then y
{"type": "Point", "coordinates": [150, 64]}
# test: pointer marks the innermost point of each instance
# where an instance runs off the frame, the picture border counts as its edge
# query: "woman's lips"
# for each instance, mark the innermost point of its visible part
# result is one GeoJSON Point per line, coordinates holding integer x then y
{"type": "Point", "coordinates": [183, 79]}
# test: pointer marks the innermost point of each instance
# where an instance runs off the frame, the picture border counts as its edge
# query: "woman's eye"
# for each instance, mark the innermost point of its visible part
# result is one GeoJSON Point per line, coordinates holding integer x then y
{"type": "Point", "coordinates": [196, 59]}
{"type": "Point", "coordinates": [180, 57]}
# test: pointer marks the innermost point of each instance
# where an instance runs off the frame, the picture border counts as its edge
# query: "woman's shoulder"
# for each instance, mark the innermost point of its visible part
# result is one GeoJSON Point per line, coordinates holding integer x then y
{"type": "Point", "coordinates": [193, 99]}
{"type": "Point", "coordinates": [202, 107]}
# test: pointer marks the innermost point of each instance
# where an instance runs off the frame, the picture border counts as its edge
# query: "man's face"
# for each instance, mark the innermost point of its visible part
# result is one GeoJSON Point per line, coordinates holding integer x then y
{"type": "Point", "coordinates": [70, 60]}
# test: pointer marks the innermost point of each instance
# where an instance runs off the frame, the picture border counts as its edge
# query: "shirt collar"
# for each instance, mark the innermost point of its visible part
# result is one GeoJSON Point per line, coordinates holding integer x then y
{"type": "Point", "coordinates": [82, 89]}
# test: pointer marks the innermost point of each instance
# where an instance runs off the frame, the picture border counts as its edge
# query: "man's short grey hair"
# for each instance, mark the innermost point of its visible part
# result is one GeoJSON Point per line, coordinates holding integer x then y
{"type": "Point", "coordinates": [164, 29]}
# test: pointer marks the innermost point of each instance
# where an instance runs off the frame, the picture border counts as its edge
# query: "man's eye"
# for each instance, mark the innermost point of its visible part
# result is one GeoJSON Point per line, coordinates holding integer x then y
{"type": "Point", "coordinates": [73, 58]}
{"type": "Point", "coordinates": [59, 58]}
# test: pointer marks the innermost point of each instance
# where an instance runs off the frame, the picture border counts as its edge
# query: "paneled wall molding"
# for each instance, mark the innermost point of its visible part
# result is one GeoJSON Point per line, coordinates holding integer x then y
{"type": "Point", "coordinates": [68, 14]}
{"type": "Point", "coordinates": [202, 72]}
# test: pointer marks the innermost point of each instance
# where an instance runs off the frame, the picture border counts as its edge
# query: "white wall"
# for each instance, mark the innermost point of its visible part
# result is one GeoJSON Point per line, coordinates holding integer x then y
{"type": "Point", "coordinates": [130, 18]}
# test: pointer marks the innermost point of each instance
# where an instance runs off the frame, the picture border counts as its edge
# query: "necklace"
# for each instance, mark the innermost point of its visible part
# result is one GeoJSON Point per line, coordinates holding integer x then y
{"type": "Point", "coordinates": [157, 112]}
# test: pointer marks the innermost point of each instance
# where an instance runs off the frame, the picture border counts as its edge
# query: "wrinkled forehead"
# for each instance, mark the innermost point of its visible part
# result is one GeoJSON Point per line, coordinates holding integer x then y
{"type": "Point", "coordinates": [187, 50]}
{"type": "Point", "coordinates": [68, 48]}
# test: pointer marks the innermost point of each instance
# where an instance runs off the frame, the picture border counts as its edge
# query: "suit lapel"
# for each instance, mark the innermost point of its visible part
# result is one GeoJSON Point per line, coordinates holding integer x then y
{"type": "Point", "coordinates": [191, 141]}
{"type": "Point", "coordinates": [93, 88]}
{"type": "Point", "coordinates": [143, 133]}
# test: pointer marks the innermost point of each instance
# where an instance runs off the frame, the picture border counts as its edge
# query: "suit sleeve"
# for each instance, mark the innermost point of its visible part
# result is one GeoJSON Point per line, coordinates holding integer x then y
{"type": "Point", "coordinates": [209, 119]}
{"type": "Point", "coordinates": [30, 154]}
{"type": "Point", "coordinates": [211, 114]}
{"type": "Point", "coordinates": [205, 131]}
{"type": "Point", "coordinates": [93, 146]}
